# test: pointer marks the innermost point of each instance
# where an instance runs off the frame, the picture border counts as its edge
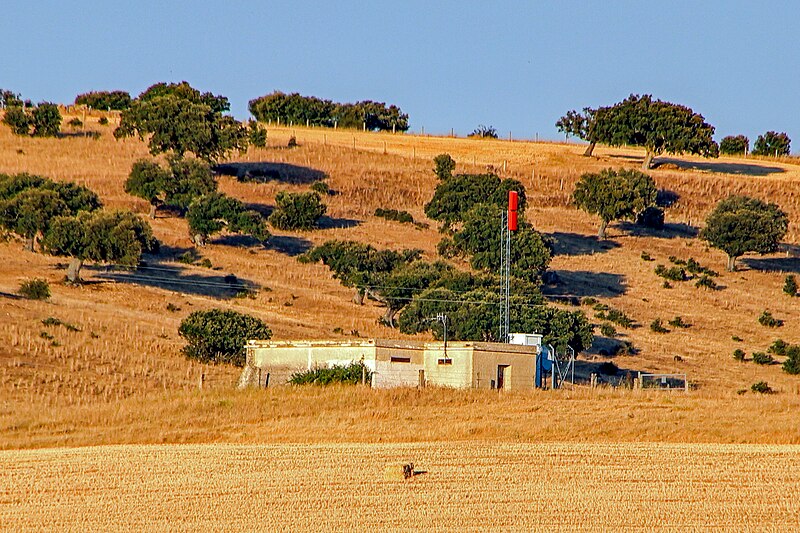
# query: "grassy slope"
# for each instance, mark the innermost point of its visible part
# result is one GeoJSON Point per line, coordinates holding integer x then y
{"type": "Point", "coordinates": [128, 346]}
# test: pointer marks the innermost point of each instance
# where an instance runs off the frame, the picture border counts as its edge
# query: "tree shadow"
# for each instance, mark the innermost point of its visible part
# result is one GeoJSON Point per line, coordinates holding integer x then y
{"type": "Point", "coordinates": [236, 239]}
{"type": "Point", "coordinates": [582, 283]}
{"type": "Point", "coordinates": [666, 198]}
{"type": "Point", "coordinates": [773, 264]}
{"type": "Point", "coordinates": [616, 377]}
{"type": "Point", "coordinates": [741, 169]}
{"type": "Point", "coordinates": [78, 134]}
{"type": "Point", "coordinates": [265, 171]}
{"type": "Point", "coordinates": [263, 210]}
{"type": "Point", "coordinates": [178, 279]}
{"type": "Point", "coordinates": [289, 245]}
{"type": "Point", "coordinates": [327, 222]}
{"type": "Point", "coordinates": [11, 296]}
{"type": "Point", "coordinates": [671, 230]}
{"type": "Point", "coordinates": [577, 244]}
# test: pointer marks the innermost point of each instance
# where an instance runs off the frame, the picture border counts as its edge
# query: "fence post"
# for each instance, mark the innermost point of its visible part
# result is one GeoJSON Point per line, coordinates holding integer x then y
{"type": "Point", "coordinates": [363, 374]}
{"type": "Point", "coordinates": [421, 379]}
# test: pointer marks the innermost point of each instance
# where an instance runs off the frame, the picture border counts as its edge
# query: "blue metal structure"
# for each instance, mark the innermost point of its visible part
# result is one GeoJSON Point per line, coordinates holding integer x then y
{"type": "Point", "coordinates": [547, 362]}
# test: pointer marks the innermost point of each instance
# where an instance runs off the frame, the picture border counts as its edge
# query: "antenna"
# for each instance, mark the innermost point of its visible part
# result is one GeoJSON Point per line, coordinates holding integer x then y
{"type": "Point", "coordinates": [508, 223]}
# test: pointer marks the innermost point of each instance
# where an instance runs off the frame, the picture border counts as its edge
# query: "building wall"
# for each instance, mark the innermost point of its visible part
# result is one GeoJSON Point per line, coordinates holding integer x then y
{"type": "Point", "coordinates": [396, 363]}
{"type": "Point", "coordinates": [519, 372]}
{"type": "Point", "coordinates": [454, 370]}
{"type": "Point", "coordinates": [281, 360]}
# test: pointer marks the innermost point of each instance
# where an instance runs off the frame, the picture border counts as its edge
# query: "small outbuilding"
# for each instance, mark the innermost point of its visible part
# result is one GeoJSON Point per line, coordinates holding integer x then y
{"type": "Point", "coordinates": [400, 363]}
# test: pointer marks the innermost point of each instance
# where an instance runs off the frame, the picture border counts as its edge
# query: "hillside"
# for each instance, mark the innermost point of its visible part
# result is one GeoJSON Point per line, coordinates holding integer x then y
{"type": "Point", "coordinates": [128, 346]}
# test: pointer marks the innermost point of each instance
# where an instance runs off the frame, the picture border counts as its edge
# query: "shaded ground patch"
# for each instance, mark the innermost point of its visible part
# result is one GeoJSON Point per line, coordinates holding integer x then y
{"type": "Point", "coordinates": [585, 283]}
{"type": "Point", "coordinates": [327, 222]}
{"type": "Point", "coordinates": [177, 278]}
{"type": "Point", "coordinates": [289, 244]}
{"type": "Point", "coordinates": [741, 169]}
{"type": "Point", "coordinates": [577, 244]}
{"type": "Point", "coordinates": [263, 172]}
{"type": "Point", "coordinates": [671, 230]}
{"type": "Point", "coordinates": [773, 264]}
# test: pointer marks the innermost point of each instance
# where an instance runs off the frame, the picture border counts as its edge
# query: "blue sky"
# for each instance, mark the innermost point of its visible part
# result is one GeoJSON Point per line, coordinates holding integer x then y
{"type": "Point", "coordinates": [517, 66]}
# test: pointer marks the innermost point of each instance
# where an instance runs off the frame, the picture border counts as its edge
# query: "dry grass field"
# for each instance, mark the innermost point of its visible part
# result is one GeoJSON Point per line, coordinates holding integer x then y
{"type": "Point", "coordinates": [127, 344]}
{"type": "Point", "coordinates": [289, 459]}
{"type": "Point", "coordinates": [460, 487]}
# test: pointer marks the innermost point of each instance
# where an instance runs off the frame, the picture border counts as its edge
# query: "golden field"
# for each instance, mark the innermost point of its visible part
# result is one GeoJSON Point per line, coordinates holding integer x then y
{"type": "Point", "coordinates": [459, 487]}
{"type": "Point", "coordinates": [126, 354]}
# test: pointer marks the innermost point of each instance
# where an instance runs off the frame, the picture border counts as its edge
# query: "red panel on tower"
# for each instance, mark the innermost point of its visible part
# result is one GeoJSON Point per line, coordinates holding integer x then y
{"type": "Point", "coordinates": [513, 200]}
{"type": "Point", "coordinates": [512, 220]}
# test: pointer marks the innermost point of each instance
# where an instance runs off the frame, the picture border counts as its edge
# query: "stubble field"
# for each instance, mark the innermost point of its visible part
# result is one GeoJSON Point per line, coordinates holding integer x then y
{"type": "Point", "coordinates": [458, 487]}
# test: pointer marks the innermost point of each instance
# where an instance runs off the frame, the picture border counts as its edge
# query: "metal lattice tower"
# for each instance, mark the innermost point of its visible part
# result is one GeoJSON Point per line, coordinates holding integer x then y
{"type": "Point", "coordinates": [505, 278]}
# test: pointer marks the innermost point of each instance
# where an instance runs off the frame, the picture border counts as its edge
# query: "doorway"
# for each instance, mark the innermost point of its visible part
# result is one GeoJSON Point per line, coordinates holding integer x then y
{"type": "Point", "coordinates": [503, 376]}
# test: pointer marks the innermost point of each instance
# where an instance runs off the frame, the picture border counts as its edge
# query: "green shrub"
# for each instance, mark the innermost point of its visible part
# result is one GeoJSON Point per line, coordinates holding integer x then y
{"type": "Point", "coordinates": [292, 142]}
{"type": "Point", "coordinates": [678, 322]}
{"type": "Point", "coordinates": [761, 358]}
{"type": "Point", "coordinates": [614, 315]}
{"type": "Point", "coordinates": [46, 120]}
{"type": "Point", "coordinates": [772, 143]}
{"type": "Point", "coordinates": [219, 336]}
{"type": "Point", "coordinates": [257, 134]}
{"type": "Point", "coordinates": [588, 300]}
{"type": "Point", "coordinates": [792, 363]}
{"type": "Point", "coordinates": [761, 387]}
{"type": "Point", "coordinates": [657, 326]}
{"type": "Point", "coordinates": [52, 321]}
{"type": "Point", "coordinates": [739, 354]}
{"type": "Point", "coordinates": [778, 347]}
{"type": "Point", "coordinates": [297, 211]}
{"type": "Point", "coordinates": [646, 257]}
{"type": "Point", "coordinates": [733, 145]}
{"type": "Point", "coordinates": [735, 338]}
{"type": "Point", "coordinates": [350, 374]}
{"type": "Point", "coordinates": [103, 121]}
{"type": "Point", "coordinates": [34, 289]}
{"type": "Point", "coordinates": [105, 100]}
{"type": "Point", "coordinates": [404, 217]}
{"type": "Point", "coordinates": [322, 188]}
{"type": "Point", "coordinates": [675, 273]}
{"type": "Point", "coordinates": [75, 123]}
{"type": "Point", "coordinates": [444, 165]}
{"type": "Point", "coordinates": [790, 285]}
{"type": "Point", "coordinates": [706, 282]}
{"type": "Point", "coordinates": [766, 319]}
{"type": "Point", "coordinates": [608, 330]}
{"type": "Point", "coordinates": [18, 120]}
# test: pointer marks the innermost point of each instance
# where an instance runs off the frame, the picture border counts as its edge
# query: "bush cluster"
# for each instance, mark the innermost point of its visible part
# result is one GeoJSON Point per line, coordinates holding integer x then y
{"type": "Point", "coordinates": [790, 285]}
{"type": "Point", "coordinates": [34, 289]}
{"type": "Point", "coordinates": [301, 110]}
{"type": "Point", "coordinates": [44, 120]}
{"type": "Point", "coordinates": [105, 100]}
{"type": "Point", "coordinates": [219, 336]}
{"type": "Point", "coordinates": [404, 217]}
{"type": "Point", "coordinates": [616, 316]}
{"type": "Point", "coordinates": [351, 374]}
{"type": "Point", "coordinates": [766, 319]}
{"type": "Point", "coordinates": [761, 358]}
{"type": "Point", "coordinates": [297, 211]}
